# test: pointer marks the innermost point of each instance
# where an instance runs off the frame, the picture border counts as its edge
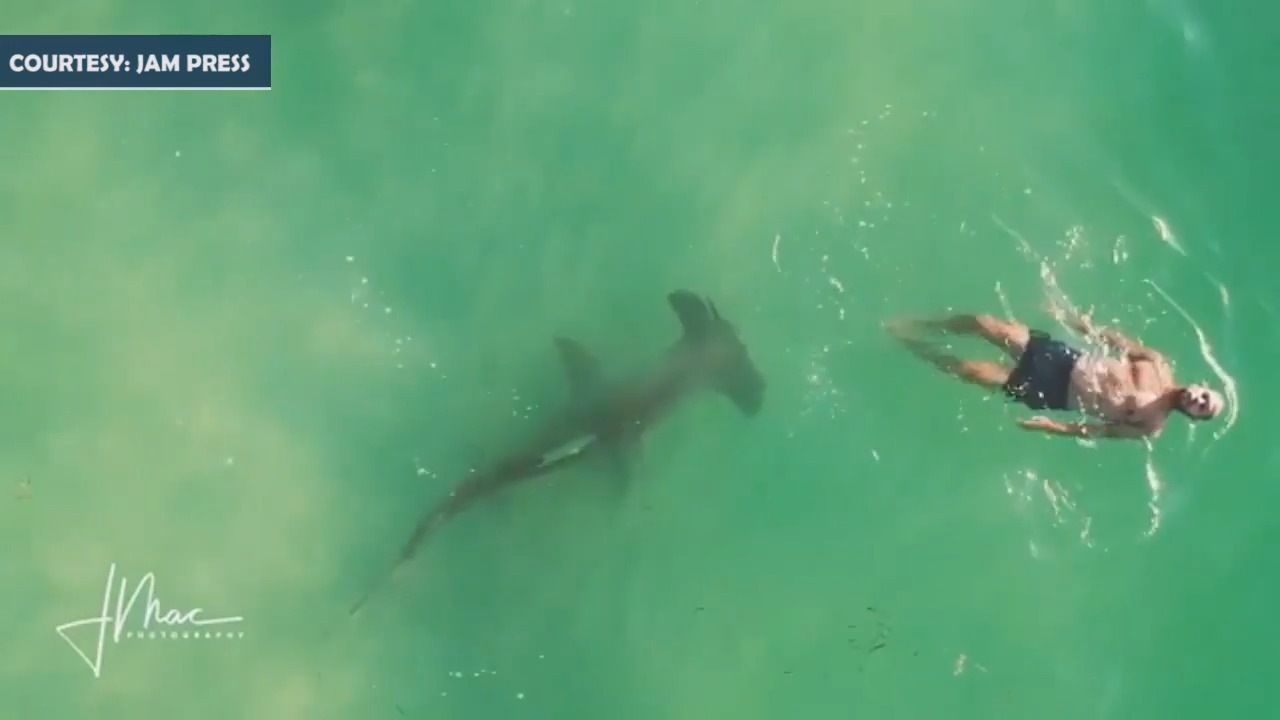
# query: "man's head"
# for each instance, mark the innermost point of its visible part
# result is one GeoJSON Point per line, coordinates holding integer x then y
{"type": "Point", "coordinates": [1200, 402]}
{"type": "Point", "coordinates": [713, 342]}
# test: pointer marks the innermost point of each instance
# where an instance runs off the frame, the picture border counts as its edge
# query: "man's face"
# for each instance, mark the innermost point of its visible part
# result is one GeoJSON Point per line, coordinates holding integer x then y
{"type": "Point", "coordinates": [1200, 402]}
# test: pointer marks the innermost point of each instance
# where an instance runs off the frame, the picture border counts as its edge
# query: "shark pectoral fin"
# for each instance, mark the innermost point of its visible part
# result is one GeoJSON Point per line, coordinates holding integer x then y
{"type": "Point", "coordinates": [580, 365]}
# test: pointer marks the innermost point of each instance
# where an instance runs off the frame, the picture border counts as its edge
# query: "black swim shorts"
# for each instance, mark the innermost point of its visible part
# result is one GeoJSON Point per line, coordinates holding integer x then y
{"type": "Point", "coordinates": [1042, 378]}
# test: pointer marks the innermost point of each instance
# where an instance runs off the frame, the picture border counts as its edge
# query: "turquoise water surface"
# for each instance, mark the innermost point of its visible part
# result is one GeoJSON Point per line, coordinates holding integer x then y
{"type": "Point", "coordinates": [252, 336]}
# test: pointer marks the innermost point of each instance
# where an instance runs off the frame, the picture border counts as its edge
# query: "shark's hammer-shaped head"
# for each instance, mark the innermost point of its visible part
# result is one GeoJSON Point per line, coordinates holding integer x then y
{"type": "Point", "coordinates": [720, 354]}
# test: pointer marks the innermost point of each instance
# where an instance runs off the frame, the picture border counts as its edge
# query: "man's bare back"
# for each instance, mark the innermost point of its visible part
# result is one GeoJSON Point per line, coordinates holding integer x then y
{"type": "Point", "coordinates": [1132, 392]}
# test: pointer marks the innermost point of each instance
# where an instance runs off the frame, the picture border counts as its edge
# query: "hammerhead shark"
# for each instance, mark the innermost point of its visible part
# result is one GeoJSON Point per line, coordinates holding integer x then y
{"type": "Point", "coordinates": [604, 419]}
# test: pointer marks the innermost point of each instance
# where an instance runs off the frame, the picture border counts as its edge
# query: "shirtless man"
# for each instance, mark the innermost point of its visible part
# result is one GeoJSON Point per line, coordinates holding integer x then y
{"type": "Point", "coordinates": [1131, 395]}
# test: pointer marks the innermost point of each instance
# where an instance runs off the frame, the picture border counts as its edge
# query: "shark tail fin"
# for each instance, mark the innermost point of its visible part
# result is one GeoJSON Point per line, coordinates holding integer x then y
{"type": "Point", "coordinates": [473, 488]}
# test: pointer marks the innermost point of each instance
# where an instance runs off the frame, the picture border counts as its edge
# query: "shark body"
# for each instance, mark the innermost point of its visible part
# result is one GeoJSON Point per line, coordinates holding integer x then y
{"type": "Point", "coordinates": [604, 420]}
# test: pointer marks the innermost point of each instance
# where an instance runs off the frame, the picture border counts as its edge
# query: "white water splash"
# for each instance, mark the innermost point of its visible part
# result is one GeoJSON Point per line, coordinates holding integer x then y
{"type": "Point", "coordinates": [1166, 234]}
{"type": "Point", "coordinates": [1073, 241]}
{"type": "Point", "coordinates": [1154, 485]}
{"type": "Point", "coordinates": [962, 664]}
{"type": "Point", "coordinates": [1223, 295]}
{"type": "Point", "coordinates": [1022, 242]}
{"type": "Point", "coordinates": [1005, 305]}
{"type": "Point", "coordinates": [1022, 486]}
{"type": "Point", "coordinates": [1054, 295]}
{"type": "Point", "coordinates": [1119, 253]}
{"type": "Point", "coordinates": [835, 283]}
{"type": "Point", "coordinates": [821, 394]}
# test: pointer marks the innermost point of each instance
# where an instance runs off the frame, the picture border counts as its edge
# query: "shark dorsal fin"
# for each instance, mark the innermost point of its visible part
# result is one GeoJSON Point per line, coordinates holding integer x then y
{"type": "Point", "coordinates": [580, 365]}
{"type": "Point", "coordinates": [696, 315]}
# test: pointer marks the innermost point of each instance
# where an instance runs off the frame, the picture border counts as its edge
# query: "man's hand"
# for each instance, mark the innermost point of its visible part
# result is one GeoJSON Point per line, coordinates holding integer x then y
{"type": "Point", "coordinates": [1083, 324]}
{"type": "Point", "coordinates": [1040, 423]}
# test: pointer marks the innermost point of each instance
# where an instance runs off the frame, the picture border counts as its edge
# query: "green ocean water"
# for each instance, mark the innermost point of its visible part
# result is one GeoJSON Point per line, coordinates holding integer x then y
{"type": "Point", "coordinates": [251, 336]}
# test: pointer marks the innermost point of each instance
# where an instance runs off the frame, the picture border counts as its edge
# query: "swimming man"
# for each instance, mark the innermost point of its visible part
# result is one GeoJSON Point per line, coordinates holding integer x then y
{"type": "Point", "coordinates": [1131, 395]}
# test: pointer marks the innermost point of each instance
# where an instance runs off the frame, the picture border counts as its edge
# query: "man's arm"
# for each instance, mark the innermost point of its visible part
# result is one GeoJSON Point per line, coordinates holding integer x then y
{"type": "Point", "coordinates": [1087, 430]}
{"type": "Point", "coordinates": [1113, 337]}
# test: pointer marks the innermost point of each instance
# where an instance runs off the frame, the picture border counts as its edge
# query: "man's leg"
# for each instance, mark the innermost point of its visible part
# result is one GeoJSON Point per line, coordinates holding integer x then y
{"type": "Point", "coordinates": [1008, 335]}
{"type": "Point", "coordinates": [990, 375]}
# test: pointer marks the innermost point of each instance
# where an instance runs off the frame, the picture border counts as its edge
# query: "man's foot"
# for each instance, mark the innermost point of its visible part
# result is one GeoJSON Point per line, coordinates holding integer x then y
{"type": "Point", "coordinates": [904, 328]}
